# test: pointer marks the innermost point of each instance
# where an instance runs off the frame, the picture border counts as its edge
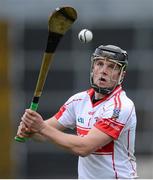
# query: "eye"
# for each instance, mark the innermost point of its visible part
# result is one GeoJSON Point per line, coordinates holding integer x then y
{"type": "Point", "coordinates": [111, 66]}
{"type": "Point", "coordinates": [100, 63]}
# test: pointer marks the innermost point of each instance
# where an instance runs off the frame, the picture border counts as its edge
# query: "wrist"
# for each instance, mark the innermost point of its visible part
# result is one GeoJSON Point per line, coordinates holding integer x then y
{"type": "Point", "coordinates": [43, 129]}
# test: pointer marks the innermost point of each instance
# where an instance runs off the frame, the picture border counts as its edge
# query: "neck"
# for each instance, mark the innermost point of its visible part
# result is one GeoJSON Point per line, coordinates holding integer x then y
{"type": "Point", "coordinates": [99, 96]}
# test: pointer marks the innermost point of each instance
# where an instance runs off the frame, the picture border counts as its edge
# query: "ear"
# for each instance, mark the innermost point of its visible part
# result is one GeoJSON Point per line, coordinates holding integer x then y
{"type": "Point", "coordinates": [91, 74]}
{"type": "Point", "coordinates": [123, 75]}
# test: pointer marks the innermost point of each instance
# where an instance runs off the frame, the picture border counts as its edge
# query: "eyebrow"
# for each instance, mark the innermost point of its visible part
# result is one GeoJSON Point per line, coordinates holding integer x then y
{"type": "Point", "coordinates": [108, 59]}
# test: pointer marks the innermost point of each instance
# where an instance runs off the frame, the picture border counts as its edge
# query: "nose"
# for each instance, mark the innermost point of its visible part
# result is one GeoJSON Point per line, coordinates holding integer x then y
{"type": "Point", "coordinates": [104, 69]}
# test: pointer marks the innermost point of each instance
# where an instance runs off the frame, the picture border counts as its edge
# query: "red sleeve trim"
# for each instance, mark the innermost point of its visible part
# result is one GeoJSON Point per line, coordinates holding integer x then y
{"type": "Point", "coordinates": [60, 112]}
{"type": "Point", "coordinates": [110, 127]}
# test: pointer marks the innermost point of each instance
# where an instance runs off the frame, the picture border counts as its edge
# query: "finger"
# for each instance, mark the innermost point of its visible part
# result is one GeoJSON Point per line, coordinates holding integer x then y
{"type": "Point", "coordinates": [24, 134]}
{"type": "Point", "coordinates": [22, 125]}
{"type": "Point", "coordinates": [31, 119]}
{"type": "Point", "coordinates": [27, 122]}
{"type": "Point", "coordinates": [28, 118]}
{"type": "Point", "coordinates": [25, 129]}
{"type": "Point", "coordinates": [28, 115]}
{"type": "Point", "coordinates": [22, 128]}
{"type": "Point", "coordinates": [31, 112]}
{"type": "Point", "coordinates": [21, 131]}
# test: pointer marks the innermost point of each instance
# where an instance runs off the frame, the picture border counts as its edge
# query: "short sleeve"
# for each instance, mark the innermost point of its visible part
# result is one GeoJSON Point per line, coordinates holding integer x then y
{"type": "Point", "coordinates": [66, 114]}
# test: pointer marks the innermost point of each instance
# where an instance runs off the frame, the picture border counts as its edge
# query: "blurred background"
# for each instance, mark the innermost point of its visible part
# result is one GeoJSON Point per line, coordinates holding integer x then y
{"type": "Point", "coordinates": [23, 35]}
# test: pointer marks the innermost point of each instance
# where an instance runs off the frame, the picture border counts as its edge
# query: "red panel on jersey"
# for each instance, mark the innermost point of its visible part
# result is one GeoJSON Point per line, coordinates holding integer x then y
{"type": "Point", "coordinates": [110, 127]}
{"type": "Point", "coordinates": [82, 131]}
{"type": "Point", "coordinates": [107, 149]}
{"type": "Point", "coordinates": [60, 112]}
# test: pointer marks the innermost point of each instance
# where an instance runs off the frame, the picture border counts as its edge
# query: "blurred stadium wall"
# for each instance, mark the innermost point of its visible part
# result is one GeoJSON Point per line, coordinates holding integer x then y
{"type": "Point", "coordinates": [24, 26]}
{"type": "Point", "coordinates": [5, 121]}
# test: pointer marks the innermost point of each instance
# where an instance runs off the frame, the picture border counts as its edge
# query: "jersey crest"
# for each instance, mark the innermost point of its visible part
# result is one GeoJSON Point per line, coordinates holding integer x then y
{"type": "Point", "coordinates": [116, 113]}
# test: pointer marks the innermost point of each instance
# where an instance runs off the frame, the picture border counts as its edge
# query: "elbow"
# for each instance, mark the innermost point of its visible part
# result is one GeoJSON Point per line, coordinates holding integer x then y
{"type": "Point", "coordinates": [83, 148]}
{"type": "Point", "coordinates": [83, 152]}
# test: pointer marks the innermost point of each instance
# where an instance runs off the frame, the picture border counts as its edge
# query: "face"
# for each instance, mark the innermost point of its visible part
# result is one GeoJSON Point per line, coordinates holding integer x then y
{"type": "Point", "coordinates": [106, 72]}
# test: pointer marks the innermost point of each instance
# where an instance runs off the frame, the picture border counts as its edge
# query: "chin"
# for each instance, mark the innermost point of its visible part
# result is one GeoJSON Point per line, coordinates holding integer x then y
{"type": "Point", "coordinates": [102, 85]}
{"type": "Point", "coordinates": [105, 86]}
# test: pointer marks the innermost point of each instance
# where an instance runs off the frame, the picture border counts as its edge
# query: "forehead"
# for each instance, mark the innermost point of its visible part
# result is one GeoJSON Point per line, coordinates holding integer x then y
{"type": "Point", "coordinates": [106, 60]}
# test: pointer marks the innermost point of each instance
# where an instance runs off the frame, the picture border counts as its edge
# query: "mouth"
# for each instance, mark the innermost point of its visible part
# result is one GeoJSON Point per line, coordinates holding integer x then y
{"type": "Point", "coordinates": [102, 82]}
{"type": "Point", "coordinates": [102, 79]}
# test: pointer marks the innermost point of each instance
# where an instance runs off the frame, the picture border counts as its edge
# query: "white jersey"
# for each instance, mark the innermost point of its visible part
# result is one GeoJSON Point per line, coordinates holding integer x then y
{"type": "Point", "coordinates": [113, 115]}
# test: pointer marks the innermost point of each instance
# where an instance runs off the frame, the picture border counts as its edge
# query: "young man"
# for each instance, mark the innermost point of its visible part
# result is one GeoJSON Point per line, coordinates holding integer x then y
{"type": "Point", "coordinates": [103, 116]}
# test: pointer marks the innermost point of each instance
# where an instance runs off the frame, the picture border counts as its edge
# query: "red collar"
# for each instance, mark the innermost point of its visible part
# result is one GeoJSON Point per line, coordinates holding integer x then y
{"type": "Point", "coordinates": [92, 91]}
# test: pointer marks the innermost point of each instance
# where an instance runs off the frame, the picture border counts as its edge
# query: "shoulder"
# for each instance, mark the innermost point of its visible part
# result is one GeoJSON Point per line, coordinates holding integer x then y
{"type": "Point", "coordinates": [78, 96]}
{"type": "Point", "coordinates": [126, 102]}
{"type": "Point", "coordinates": [127, 108]}
{"type": "Point", "coordinates": [119, 105]}
{"type": "Point", "coordinates": [120, 101]}
{"type": "Point", "coordinates": [81, 94]}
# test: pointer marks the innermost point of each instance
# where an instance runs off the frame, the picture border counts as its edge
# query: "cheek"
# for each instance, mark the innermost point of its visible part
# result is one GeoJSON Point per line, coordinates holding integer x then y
{"type": "Point", "coordinates": [95, 71]}
{"type": "Point", "coordinates": [115, 75]}
{"type": "Point", "coordinates": [95, 74]}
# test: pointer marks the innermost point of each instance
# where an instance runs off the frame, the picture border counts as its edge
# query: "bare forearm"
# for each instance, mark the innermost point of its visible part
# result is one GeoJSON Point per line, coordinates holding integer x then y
{"type": "Point", "coordinates": [50, 122]}
{"type": "Point", "coordinates": [73, 143]}
{"type": "Point", "coordinates": [51, 130]}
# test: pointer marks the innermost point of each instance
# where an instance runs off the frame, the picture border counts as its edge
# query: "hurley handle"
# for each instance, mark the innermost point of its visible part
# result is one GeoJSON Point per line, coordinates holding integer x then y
{"type": "Point", "coordinates": [34, 107]}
